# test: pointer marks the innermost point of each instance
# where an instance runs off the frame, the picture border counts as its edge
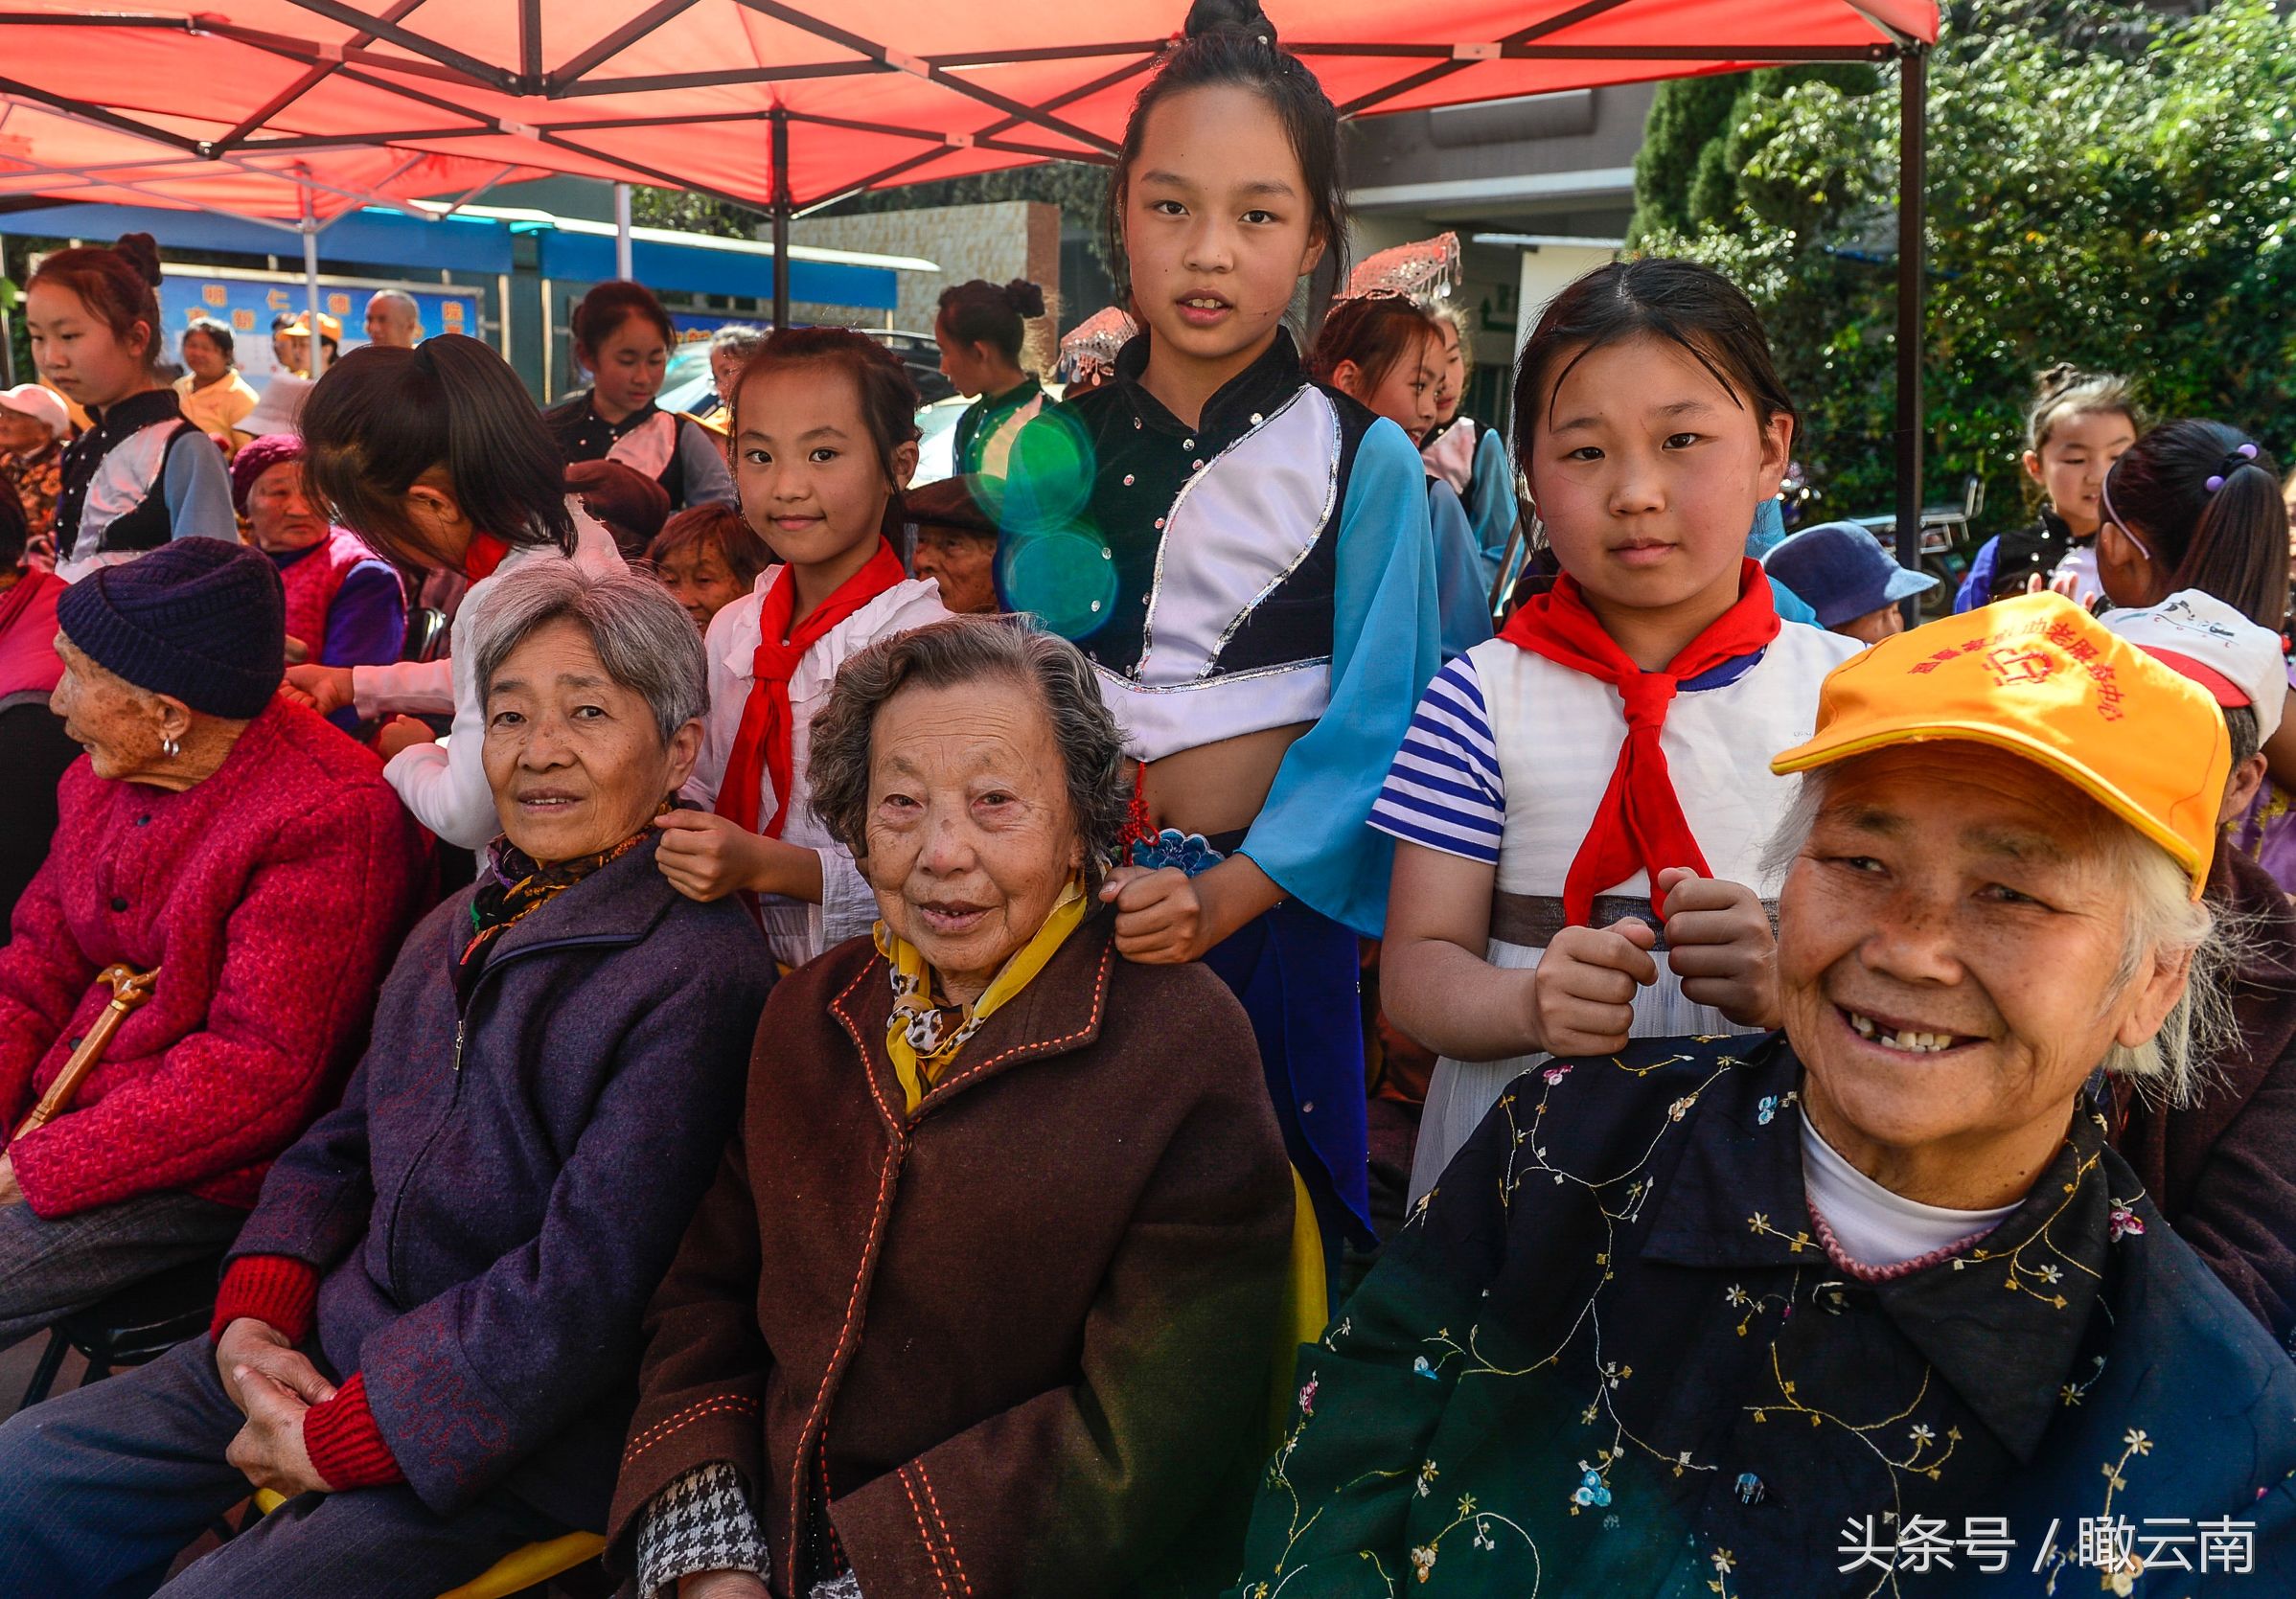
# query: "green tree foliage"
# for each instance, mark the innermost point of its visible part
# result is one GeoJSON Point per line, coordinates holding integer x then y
{"type": "Point", "coordinates": [2109, 184]}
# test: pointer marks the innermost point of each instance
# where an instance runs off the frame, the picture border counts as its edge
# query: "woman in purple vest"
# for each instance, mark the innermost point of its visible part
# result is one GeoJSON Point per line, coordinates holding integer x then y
{"type": "Point", "coordinates": [345, 603]}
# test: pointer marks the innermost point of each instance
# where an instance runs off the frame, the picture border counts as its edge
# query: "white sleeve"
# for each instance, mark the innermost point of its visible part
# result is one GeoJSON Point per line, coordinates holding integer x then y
{"type": "Point", "coordinates": [848, 907]}
{"type": "Point", "coordinates": [416, 688]}
{"type": "Point", "coordinates": [445, 785]}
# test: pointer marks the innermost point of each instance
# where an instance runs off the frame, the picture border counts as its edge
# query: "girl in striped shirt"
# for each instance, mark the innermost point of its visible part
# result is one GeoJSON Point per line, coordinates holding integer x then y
{"type": "Point", "coordinates": [1581, 803]}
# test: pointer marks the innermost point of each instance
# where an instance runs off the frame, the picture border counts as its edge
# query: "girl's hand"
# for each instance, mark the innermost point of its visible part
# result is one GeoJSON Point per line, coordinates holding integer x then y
{"type": "Point", "coordinates": [326, 688]}
{"type": "Point", "coordinates": [269, 1449]}
{"type": "Point", "coordinates": [1580, 999]}
{"type": "Point", "coordinates": [297, 651]}
{"type": "Point", "coordinates": [403, 733]}
{"type": "Point", "coordinates": [1719, 942]}
{"type": "Point", "coordinates": [1159, 915]}
{"type": "Point", "coordinates": [707, 856]}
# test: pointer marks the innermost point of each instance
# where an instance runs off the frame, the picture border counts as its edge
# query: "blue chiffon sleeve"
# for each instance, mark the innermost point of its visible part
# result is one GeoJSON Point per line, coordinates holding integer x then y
{"type": "Point", "coordinates": [1462, 599]}
{"type": "Point", "coordinates": [1491, 492]}
{"type": "Point", "coordinates": [1313, 837]}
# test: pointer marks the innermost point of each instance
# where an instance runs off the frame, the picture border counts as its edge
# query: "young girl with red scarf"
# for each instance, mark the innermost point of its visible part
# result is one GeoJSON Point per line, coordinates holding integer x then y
{"type": "Point", "coordinates": [824, 440]}
{"type": "Point", "coordinates": [1583, 804]}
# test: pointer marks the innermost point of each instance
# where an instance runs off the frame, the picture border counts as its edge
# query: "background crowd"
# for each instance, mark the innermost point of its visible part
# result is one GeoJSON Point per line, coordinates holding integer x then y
{"type": "Point", "coordinates": [1265, 980]}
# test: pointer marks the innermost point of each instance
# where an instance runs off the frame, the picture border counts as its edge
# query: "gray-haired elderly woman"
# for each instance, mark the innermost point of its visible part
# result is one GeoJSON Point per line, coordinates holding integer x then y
{"type": "Point", "coordinates": [989, 1283]}
{"type": "Point", "coordinates": [429, 1323]}
{"type": "Point", "coordinates": [1868, 1306]}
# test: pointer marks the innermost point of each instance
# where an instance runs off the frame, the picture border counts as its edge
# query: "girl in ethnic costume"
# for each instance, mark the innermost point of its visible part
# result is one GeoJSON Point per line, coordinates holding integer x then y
{"type": "Point", "coordinates": [143, 473]}
{"type": "Point", "coordinates": [1552, 894]}
{"type": "Point", "coordinates": [980, 329]}
{"type": "Point", "coordinates": [624, 337]}
{"type": "Point", "coordinates": [1244, 554]}
{"type": "Point", "coordinates": [824, 439]}
{"type": "Point", "coordinates": [1383, 351]}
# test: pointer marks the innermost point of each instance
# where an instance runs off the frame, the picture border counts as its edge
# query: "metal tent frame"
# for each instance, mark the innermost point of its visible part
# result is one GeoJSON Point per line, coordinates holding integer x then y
{"type": "Point", "coordinates": [457, 100]}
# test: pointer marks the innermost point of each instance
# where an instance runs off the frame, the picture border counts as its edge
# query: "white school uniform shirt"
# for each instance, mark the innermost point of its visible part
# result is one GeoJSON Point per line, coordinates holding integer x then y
{"type": "Point", "coordinates": [1507, 761]}
{"type": "Point", "coordinates": [445, 784]}
{"type": "Point", "coordinates": [796, 930]}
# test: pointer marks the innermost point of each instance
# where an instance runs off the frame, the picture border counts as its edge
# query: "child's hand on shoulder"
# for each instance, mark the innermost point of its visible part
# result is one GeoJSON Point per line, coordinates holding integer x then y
{"type": "Point", "coordinates": [1720, 944]}
{"type": "Point", "coordinates": [1581, 994]}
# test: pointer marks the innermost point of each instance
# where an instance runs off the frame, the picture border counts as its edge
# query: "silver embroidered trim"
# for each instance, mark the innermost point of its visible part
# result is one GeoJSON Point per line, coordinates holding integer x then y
{"type": "Point", "coordinates": [1156, 585]}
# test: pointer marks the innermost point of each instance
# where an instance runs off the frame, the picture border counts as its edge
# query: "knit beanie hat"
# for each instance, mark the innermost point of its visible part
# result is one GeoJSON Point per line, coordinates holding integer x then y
{"type": "Point", "coordinates": [258, 456]}
{"type": "Point", "coordinates": [199, 619]}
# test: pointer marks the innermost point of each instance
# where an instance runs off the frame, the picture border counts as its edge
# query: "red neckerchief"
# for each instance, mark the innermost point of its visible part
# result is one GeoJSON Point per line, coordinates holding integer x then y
{"type": "Point", "coordinates": [762, 747]}
{"type": "Point", "coordinates": [1640, 824]}
{"type": "Point", "coordinates": [484, 554]}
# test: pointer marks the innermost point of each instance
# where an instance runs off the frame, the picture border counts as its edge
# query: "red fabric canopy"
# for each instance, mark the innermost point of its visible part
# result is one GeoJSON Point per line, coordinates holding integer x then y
{"type": "Point", "coordinates": [237, 110]}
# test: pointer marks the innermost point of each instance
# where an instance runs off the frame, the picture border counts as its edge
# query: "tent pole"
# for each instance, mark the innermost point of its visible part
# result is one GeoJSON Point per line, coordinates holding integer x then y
{"type": "Point", "coordinates": [622, 266]}
{"type": "Point", "coordinates": [781, 217]}
{"type": "Point", "coordinates": [310, 284]}
{"type": "Point", "coordinates": [1912, 175]}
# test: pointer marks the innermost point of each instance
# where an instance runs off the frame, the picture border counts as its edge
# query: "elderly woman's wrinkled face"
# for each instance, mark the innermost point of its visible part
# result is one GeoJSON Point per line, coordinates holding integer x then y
{"type": "Point", "coordinates": [971, 836]}
{"type": "Point", "coordinates": [280, 513]}
{"type": "Point", "coordinates": [574, 757]}
{"type": "Point", "coordinates": [1949, 949]}
{"type": "Point", "coordinates": [119, 724]}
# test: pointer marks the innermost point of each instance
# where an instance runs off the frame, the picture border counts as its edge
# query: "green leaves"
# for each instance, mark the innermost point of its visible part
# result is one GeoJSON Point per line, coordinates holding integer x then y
{"type": "Point", "coordinates": [2107, 184]}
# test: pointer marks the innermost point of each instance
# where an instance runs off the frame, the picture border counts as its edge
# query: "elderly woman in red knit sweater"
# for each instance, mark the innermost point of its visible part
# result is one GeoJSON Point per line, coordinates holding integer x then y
{"type": "Point", "coordinates": [244, 851]}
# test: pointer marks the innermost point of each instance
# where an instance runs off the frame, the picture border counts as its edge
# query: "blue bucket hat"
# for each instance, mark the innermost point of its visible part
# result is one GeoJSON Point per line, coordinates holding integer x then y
{"type": "Point", "coordinates": [1843, 572]}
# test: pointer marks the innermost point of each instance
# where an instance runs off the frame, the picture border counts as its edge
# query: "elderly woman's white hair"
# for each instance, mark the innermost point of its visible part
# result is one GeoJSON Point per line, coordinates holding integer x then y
{"type": "Point", "coordinates": [2164, 918]}
{"type": "Point", "coordinates": [644, 638]}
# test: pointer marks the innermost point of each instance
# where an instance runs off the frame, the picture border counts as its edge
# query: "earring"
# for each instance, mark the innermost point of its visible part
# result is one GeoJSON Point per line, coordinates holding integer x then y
{"type": "Point", "coordinates": [169, 748]}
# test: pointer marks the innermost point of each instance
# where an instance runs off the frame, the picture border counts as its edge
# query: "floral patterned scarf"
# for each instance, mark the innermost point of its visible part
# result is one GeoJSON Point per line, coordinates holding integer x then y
{"type": "Point", "coordinates": [923, 1038]}
{"type": "Point", "coordinates": [515, 885]}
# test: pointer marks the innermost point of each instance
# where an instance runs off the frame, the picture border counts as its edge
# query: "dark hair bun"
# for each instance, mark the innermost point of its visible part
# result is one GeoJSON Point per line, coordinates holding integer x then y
{"type": "Point", "coordinates": [2055, 380]}
{"type": "Point", "coordinates": [142, 251]}
{"type": "Point", "coordinates": [1025, 298]}
{"type": "Point", "coordinates": [1242, 17]}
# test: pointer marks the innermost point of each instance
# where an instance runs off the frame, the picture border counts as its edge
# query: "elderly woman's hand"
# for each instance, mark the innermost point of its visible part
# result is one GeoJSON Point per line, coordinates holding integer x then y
{"type": "Point", "coordinates": [327, 688]}
{"type": "Point", "coordinates": [1580, 996]}
{"type": "Point", "coordinates": [249, 1345]}
{"type": "Point", "coordinates": [269, 1449]}
{"type": "Point", "coordinates": [403, 733]}
{"type": "Point", "coordinates": [1720, 944]}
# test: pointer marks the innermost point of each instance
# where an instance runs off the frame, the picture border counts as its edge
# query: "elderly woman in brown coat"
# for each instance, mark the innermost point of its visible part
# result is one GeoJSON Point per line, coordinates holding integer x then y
{"type": "Point", "coordinates": [983, 1299]}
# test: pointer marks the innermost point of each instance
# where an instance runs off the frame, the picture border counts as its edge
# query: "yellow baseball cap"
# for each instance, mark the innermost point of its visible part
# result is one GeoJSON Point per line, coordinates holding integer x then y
{"type": "Point", "coordinates": [2040, 677]}
{"type": "Point", "coordinates": [331, 328]}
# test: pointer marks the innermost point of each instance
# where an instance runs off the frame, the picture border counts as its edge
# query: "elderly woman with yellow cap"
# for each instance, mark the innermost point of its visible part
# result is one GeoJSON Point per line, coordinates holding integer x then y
{"type": "Point", "coordinates": [1869, 1304]}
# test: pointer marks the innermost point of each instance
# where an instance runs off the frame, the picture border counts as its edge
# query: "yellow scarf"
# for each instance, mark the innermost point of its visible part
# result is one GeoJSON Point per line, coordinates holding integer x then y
{"type": "Point", "coordinates": [922, 1038]}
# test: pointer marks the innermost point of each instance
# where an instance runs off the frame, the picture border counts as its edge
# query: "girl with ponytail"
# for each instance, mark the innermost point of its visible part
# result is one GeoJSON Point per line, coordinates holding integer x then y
{"type": "Point", "coordinates": [980, 329]}
{"type": "Point", "coordinates": [1245, 554]}
{"type": "Point", "coordinates": [437, 459]}
{"type": "Point", "coordinates": [142, 474]}
{"type": "Point", "coordinates": [2197, 504]}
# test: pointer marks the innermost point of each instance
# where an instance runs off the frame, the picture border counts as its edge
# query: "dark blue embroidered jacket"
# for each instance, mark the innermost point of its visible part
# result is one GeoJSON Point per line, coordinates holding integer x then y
{"type": "Point", "coordinates": [1609, 1356]}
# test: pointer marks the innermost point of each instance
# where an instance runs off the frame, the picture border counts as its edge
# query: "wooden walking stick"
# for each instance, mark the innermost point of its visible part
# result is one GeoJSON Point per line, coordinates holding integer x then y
{"type": "Point", "coordinates": [130, 989]}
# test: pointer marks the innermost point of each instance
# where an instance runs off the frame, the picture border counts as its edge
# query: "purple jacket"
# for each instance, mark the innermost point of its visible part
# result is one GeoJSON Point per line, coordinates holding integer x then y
{"type": "Point", "coordinates": [499, 1193]}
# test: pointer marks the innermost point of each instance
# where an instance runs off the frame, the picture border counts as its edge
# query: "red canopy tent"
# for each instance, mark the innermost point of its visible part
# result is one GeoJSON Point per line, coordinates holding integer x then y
{"type": "Point", "coordinates": [302, 108]}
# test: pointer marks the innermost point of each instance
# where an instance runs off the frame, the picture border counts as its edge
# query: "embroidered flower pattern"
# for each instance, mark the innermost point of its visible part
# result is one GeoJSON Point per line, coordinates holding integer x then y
{"type": "Point", "coordinates": [1307, 1396]}
{"type": "Point", "coordinates": [2125, 1221]}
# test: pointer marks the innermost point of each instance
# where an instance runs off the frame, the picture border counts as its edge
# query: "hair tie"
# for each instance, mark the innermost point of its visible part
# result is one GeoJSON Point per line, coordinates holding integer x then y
{"type": "Point", "coordinates": [2230, 465]}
